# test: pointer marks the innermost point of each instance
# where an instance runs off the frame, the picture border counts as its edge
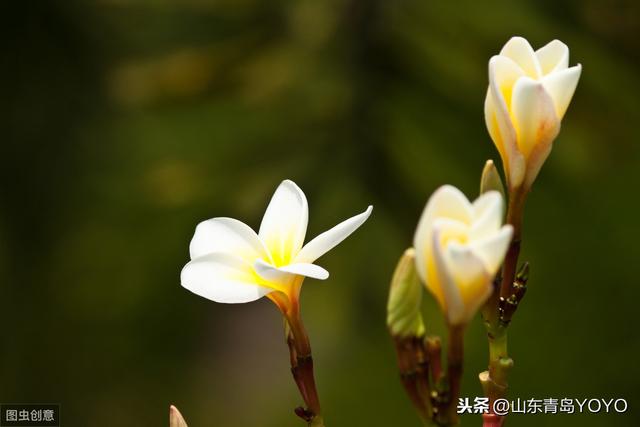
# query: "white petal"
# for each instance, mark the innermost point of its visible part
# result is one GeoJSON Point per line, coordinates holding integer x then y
{"type": "Point", "coordinates": [454, 306]}
{"type": "Point", "coordinates": [493, 125]}
{"type": "Point", "coordinates": [472, 281]}
{"type": "Point", "coordinates": [487, 201]}
{"type": "Point", "coordinates": [561, 86]}
{"type": "Point", "coordinates": [308, 270]}
{"type": "Point", "coordinates": [534, 115]}
{"type": "Point", "coordinates": [488, 215]}
{"type": "Point", "coordinates": [446, 202]}
{"type": "Point", "coordinates": [464, 265]}
{"type": "Point", "coordinates": [227, 235]}
{"type": "Point", "coordinates": [284, 224]}
{"type": "Point", "coordinates": [554, 56]}
{"type": "Point", "coordinates": [535, 161]}
{"type": "Point", "coordinates": [521, 52]}
{"type": "Point", "coordinates": [492, 249]}
{"type": "Point", "coordinates": [326, 241]}
{"type": "Point", "coordinates": [285, 273]}
{"type": "Point", "coordinates": [222, 278]}
{"type": "Point", "coordinates": [429, 265]}
{"type": "Point", "coordinates": [503, 74]}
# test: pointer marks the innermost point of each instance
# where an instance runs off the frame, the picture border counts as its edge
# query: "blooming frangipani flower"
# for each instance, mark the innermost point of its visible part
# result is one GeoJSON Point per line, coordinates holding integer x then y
{"type": "Point", "coordinates": [528, 95]}
{"type": "Point", "coordinates": [230, 263]}
{"type": "Point", "coordinates": [459, 248]}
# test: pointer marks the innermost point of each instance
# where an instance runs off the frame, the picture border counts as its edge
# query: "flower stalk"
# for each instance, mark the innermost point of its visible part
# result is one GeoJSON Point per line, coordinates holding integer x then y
{"type": "Point", "coordinates": [491, 420]}
{"type": "Point", "coordinates": [413, 366]}
{"type": "Point", "coordinates": [509, 290]}
{"type": "Point", "coordinates": [300, 356]}
{"type": "Point", "coordinates": [434, 357]}
{"type": "Point", "coordinates": [433, 393]}
{"type": "Point", "coordinates": [302, 369]}
{"type": "Point", "coordinates": [515, 213]}
{"type": "Point", "coordinates": [447, 414]}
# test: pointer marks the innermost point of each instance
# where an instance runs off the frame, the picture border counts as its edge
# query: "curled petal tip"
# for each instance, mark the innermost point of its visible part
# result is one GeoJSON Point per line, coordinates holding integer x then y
{"type": "Point", "coordinates": [326, 241]}
{"type": "Point", "coordinates": [285, 273]}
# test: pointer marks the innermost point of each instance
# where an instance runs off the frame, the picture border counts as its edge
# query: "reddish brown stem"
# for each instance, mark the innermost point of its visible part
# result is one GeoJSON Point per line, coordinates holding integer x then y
{"type": "Point", "coordinates": [514, 217]}
{"type": "Point", "coordinates": [445, 413]}
{"type": "Point", "coordinates": [434, 357]}
{"type": "Point", "coordinates": [302, 361]}
{"type": "Point", "coordinates": [413, 368]}
{"type": "Point", "coordinates": [455, 355]}
{"type": "Point", "coordinates": [492, 420]}
{"type": "Point", "coordinates": [293, 358]}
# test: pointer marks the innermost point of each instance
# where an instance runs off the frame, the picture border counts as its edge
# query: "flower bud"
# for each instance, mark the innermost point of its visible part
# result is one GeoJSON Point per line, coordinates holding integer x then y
{"type": "Point", "coordinates": [175, 418]}
{"type": "Point", "coordinates": [459, 248]}
{"type": "Point", "coordinates": [405, 298]}
{"type": "Point", "coordinates": [490, 179]}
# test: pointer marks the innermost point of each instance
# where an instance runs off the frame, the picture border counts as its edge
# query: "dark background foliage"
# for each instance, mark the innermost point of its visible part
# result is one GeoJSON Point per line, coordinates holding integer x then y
{"type": "Point", "coordinates": [126, 122]}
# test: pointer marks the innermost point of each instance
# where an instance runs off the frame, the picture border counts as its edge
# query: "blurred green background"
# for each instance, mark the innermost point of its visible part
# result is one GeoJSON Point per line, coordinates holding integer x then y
{"type": "Point", "coordinates": [125, 123]}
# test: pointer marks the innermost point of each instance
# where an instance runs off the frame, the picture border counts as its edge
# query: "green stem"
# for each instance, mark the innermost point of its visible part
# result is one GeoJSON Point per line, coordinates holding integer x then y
{"type": "Point", "coordinates": [495, 380]}
{"type": "Point", "coordinates": [499, 361]}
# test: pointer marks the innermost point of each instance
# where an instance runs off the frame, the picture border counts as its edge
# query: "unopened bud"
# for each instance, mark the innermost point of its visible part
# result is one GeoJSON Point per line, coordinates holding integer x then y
{"type": "Point", "coordinates": [405, 298]}
{"type": "Point", "coordinates": [490, 180]}
{"type": "Point", "coordinates": [175, 418]}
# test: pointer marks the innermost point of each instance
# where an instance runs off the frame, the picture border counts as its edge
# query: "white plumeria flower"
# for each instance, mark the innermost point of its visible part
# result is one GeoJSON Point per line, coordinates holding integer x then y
{"type": "Point", "coordinates": [459, 248]}
{"type": "Point", "coordinates": [528, 95]}
{"type": "Point", "coordinates": [230, 263]}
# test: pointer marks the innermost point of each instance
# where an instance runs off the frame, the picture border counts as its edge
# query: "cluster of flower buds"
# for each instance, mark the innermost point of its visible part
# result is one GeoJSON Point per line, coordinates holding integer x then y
{"type": "Point", "coordinates": [461, 246]}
